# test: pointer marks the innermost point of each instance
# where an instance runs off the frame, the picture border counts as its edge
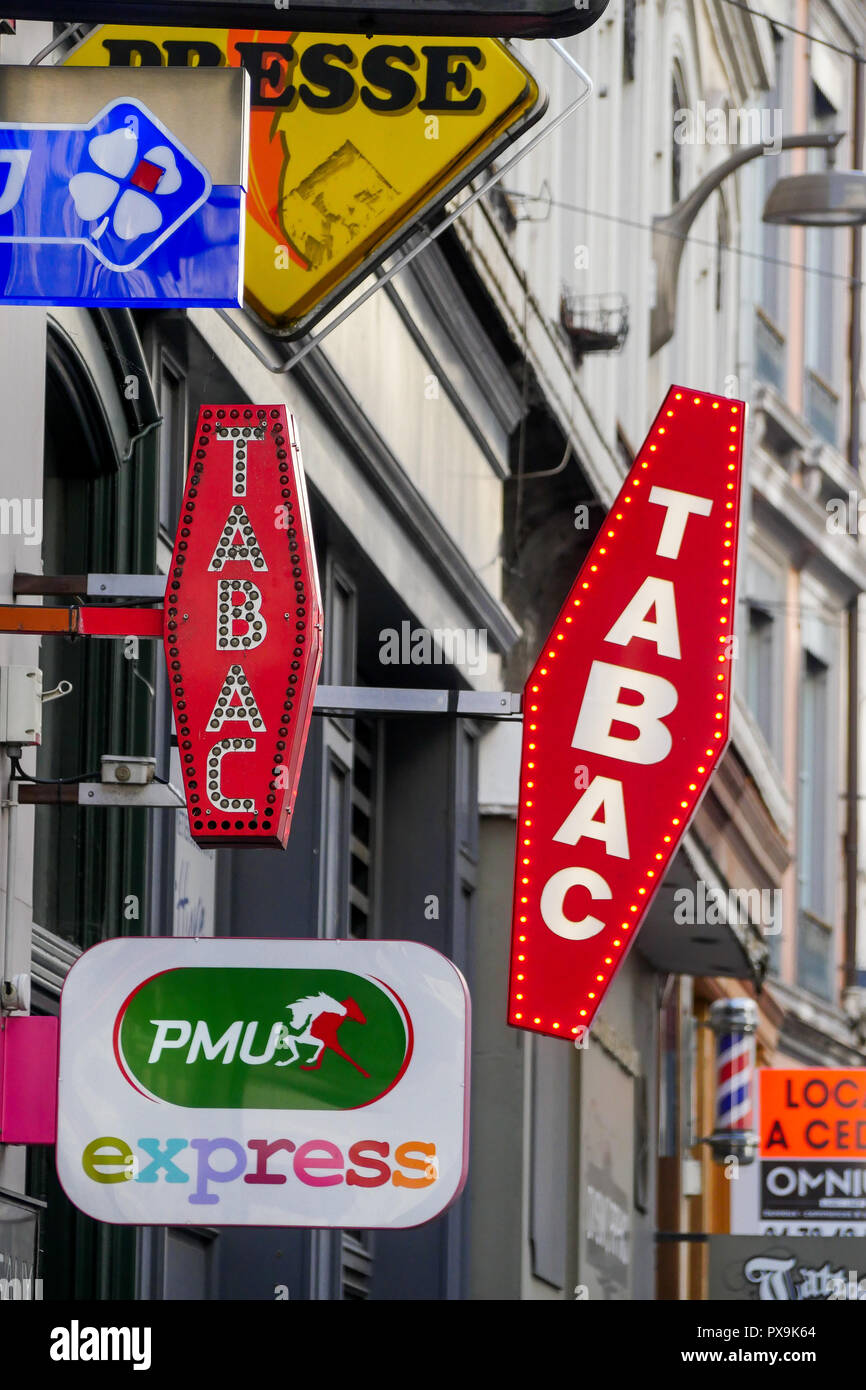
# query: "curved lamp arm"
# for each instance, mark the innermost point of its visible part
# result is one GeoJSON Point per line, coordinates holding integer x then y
{"type": "Point", "coordinates": [671, 230]}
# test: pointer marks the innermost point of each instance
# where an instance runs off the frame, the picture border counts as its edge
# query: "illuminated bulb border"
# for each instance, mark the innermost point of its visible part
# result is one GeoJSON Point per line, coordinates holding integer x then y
{"type": "Point", "coordinates": [695, 790]}
{"type": "Point", "coordinates": [207, 432]}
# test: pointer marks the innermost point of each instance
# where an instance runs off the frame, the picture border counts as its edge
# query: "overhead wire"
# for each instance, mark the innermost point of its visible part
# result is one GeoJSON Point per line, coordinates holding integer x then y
{"type": "Point", "coordinates": [696, 241]}
{"type": "Point", "coordinates": [856, 55]}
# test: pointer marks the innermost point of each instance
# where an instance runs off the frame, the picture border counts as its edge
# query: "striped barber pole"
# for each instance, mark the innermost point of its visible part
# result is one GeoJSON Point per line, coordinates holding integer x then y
{"type": "Point", "coordinates": [734, 1022]}
{"type": "Point", "coordinates": [734, 1081]}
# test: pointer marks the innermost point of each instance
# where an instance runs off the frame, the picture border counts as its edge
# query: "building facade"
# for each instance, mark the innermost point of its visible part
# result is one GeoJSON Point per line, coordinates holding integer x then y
{"type": "Point", "coordinates": [462, 437]}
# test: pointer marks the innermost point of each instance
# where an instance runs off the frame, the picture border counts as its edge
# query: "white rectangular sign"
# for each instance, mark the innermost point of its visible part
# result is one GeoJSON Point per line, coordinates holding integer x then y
{"type": "Point", "coordinates": [234, 1082]}
{"type": "Point", "coordinates": [786, 1196]}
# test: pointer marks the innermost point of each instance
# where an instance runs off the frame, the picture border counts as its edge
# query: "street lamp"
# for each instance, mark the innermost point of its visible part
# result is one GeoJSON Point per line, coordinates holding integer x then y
{"type": "Point", "coordinates": [670, 232]}
{"type": "Point", "coordinates": [832, 198]}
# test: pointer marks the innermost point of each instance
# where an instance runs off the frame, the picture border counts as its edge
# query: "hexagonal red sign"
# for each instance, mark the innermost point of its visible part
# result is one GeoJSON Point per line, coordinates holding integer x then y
{"type": "Point", "coordinates": [625, 714]}
{"type": "Point", "coordinates": [243, 626]}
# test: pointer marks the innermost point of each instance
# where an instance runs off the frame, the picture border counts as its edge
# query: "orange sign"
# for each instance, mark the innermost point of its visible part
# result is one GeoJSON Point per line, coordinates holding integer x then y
{"type": "Point", "coordinates": [813, 1113]}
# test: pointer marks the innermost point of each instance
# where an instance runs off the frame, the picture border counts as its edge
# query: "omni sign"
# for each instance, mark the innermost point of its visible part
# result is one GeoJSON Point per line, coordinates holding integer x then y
{"type": "Point", "coordinates": [626, 714]}
{"type": "Point", "coordinates": [243, 626]}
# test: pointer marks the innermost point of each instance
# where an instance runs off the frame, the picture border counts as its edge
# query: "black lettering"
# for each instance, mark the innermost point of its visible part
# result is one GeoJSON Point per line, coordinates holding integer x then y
{"type": "Point", "coordinates": [861, 1135]}
{"type": "Point", "coordinates": [837, 1094]}
{"type": "Point", "coordinates": [400, 85]}
{"type": "Point", "coordinates": [269, 65]}
{"type": "Point", "coordinates": [822, 1092]}
{"type": "Point", "coordinates": [842, 1133]}
{"type": "Point", "coordinates": [317, 67]}
{"type": "Point", "coordinates": [790, 1102]}
{"type": "Point", "coordinates": [813, 1143]}
{"type": "Point", "coordinates": [132, 53]}
{"type": "Point", "coordinates": [182, 54]}
{"type": "Point", "coordinates": [777, 1136]}
{"type": "Point", "coordinates": [440, 77]}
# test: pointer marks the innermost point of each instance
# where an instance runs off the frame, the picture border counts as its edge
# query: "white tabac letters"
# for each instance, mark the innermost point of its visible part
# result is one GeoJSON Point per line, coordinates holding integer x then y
{"type": "Point", "coordinates": [553, 902]}
{"type": "Point", "coordinates": [601, 707]}
{"type": "Point", "coordinates": [214, 775]}
{"type": "Point", "coordinates": [606, 793]}
{"type": "Point", "coordinates": [237, 542]}
{"type": "Point", "coordinates": [236, 703]}
{"type": "Point", "coordinates": [239, 601]}
{"type": "Point", "coordinates": [679, 506]}
{"type": "Point", "coordinates": [632, 621]}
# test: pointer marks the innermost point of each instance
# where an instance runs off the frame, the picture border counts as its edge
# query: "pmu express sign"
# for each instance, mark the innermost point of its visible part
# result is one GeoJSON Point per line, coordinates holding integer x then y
{"type": "Point", "coordinates": [352, 139]}
{"type": "Point", "coordinates": [275, 1083]}
{"type": "Point", "coordinates": [626, 714]}
{"type": "Point", "coordinates": [122, 188]}
{"type": "Point", "coordinates": [243, 626]}
{"type": "Point", "coordinates": [525, 18]}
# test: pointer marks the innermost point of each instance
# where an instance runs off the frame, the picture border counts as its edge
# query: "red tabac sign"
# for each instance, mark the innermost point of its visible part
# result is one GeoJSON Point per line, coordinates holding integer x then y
{"type": "Point", "coordinates": [243, 626]}
{"type": "Point", "coordinates": [626, 714]}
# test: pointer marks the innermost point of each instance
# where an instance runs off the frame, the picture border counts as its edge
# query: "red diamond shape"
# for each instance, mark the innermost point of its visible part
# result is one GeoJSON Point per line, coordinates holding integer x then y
{"type": "Point", "coordinates": [147, 176]}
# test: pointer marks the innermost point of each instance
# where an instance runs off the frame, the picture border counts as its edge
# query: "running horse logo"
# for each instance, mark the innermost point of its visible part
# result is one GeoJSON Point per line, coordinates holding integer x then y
{"type": "Point", "coordinates": [316, 1020]}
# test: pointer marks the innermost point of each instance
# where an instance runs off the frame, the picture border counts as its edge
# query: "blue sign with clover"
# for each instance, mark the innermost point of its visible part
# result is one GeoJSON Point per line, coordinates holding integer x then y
{"type": "Point", "coordinates": [116, 212]}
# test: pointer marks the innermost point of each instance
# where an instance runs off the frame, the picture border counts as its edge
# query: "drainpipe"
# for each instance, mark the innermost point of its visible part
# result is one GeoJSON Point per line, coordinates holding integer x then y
{"type": "Point", "coordinates": [8, 994]}
{"type": "Point", "coordinates": [855, 350]}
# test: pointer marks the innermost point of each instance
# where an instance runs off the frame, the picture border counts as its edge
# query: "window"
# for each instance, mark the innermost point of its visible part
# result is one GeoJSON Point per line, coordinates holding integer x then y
{"type": "Point", "coordinates": [668, 1091]}
{"type": "Point", "coordinates": [349, 843]}
{"type": "Point", "coordinates": [335, 837]}
{"type": "Point", "coordinates": [467, 790]}
{"type": "Point", "coordinates": [722, 233]}
{"type": "Point", "coordinates": [760, 674]}
{"type": "Point", "coordinates": [814, 957]}
{"type": "Point", "coordinates": [362, 843]}
{"type": "Point", "coordinates": [823, 309]}
{"type": "Point", "coordinates": [629, 39]}
{"type": "Point", "coordinates": [771, 321]}
{"type": "Point", "coordinates": [813, 761]}
{"type": "Point", "coordinates": [339, 661]}
{"type": "Point", "coordinates": [678, 102]}
{"type": "Point", "coordinates": [338, 755]}
{"type": "Point", "coordinates": [357, 1264]}
{"type": "Point", "coordinates": [171, 399]}
{"type": "Point", "coordinates": [89, 864]}
{"type": "Point", "coordinates": [759, 669]}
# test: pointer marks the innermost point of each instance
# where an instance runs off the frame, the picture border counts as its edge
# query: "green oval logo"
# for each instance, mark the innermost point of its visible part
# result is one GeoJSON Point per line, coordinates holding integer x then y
{"type": "Point", "coordinates": [250, 1039]}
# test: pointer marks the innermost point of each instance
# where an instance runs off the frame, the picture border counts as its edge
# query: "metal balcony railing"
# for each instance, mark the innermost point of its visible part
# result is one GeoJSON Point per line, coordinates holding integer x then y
{"type": "Point", "coordinates": [593, 322]}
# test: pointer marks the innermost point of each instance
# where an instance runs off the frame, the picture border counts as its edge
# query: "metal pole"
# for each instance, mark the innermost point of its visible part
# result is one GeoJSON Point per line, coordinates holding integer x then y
{"type": "Point", "coordinates": [11, 806]}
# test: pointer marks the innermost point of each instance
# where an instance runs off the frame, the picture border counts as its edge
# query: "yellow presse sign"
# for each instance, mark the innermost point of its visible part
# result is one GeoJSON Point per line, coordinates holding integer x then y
{"type": "Point", "coordinates": [351, 138]}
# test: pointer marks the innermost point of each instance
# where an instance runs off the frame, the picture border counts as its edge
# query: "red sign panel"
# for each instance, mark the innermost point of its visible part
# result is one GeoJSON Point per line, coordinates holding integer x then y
{"type": "Point", "coordinates": [243, 626]}
{"type": "Point", "coordinates": [813, 1112]}
{"type": "Point", "coordinates": [626, 714]}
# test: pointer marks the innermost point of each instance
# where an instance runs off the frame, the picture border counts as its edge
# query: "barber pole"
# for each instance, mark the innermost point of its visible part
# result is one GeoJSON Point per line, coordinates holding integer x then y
{"type": "Point", "coordinates": [734, 1022]}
